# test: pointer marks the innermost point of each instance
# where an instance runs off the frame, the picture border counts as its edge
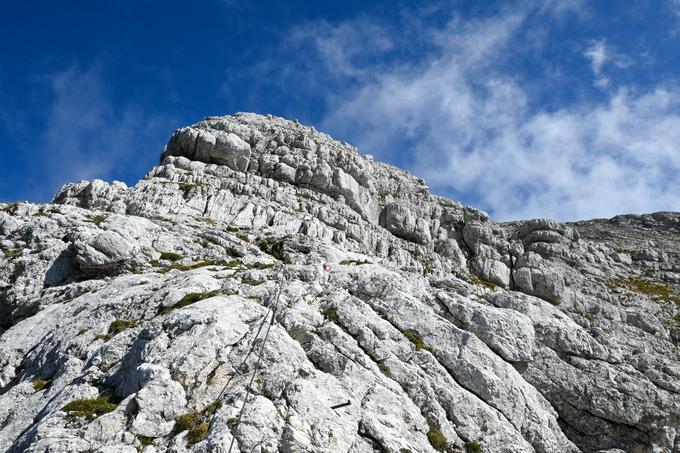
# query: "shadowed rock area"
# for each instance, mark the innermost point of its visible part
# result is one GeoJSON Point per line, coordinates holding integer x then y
{"type": "Point", "coordinates": [133, 318]}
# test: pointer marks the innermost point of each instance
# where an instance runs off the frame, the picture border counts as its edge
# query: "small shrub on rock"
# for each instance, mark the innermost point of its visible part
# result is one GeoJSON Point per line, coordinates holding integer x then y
{"type": "Point", "coordinates": [89, 408]}
{"type": "Point", "coordinates": [196, 423]}
{"type": "Point", "coordinates": [115, 328]}
{"type": "Point", "coordinates": [437, 439]}
{"type": "Point", "coordinates": [384, 369]}
{"type": "Point", "coordinates": [170, 256]}
{"type": "Point", "coordinates": [41, 384]}
{"type": "Point", "coordinates": [472, 446]}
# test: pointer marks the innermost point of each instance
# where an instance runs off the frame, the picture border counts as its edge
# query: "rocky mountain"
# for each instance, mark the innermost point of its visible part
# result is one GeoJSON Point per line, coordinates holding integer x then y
{"type": "Point", "coordinates": [269, 289]}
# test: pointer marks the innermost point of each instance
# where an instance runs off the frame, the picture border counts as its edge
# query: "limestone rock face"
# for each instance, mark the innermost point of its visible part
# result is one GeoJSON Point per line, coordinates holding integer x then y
{"type": "Point", "coordinates": [266, 288]}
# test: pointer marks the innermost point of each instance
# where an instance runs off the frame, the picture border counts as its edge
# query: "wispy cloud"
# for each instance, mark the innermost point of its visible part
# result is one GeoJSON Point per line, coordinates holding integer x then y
{"type": "Point", "coordinates": [457, 117]}
{"type": "Point", "coordinates": [597, 54]}
{"type": "Point", "coordinates": [88, 136]}
{"type": "Point", "coordinates": [600, 54]}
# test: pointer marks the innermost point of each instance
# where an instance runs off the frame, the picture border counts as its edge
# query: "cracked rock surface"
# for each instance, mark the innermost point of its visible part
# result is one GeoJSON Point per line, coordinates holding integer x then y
{"type": "Point", "coordinates": [135, 318]}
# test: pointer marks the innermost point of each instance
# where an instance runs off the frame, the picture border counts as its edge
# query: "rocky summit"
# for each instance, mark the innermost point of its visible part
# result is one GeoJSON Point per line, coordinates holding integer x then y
{"type": "Point", "coordinates": [268, 289]}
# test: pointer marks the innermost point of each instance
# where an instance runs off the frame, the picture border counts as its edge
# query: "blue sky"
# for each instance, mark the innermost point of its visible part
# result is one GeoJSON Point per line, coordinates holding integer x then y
{"type": "Point", "coordinates": [549, 108]}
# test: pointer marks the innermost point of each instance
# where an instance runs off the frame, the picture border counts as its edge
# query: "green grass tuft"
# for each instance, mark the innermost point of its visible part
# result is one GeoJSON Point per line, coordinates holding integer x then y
{"type": "Point", "coordinates": [188, 299]}
{"type": "Point", "coordinates": [98, 219]}
{"type": "Point", "coordinates": [9, 254]}
{"type": "Point", "coordinates": [115, 328]}
{"type": "Point", "coordinates": [472, 446]}
{"type": "Point", "coordinates": [196, 423]}
{"type": "Point", "coordinates": [170, 256]}
{"type": "Point", "coordinates": [10, 207]}
{"type": "Point", "coordinates": [197, 433]}
{"type": "Point", "coordinates": [41, 384]}
{"type": "Point", "coordinates": [384, 369]}
{"type": "Point", "coordinates": [89, 408]}
{"type": "Point", "coordinates": [653, 289]}
{"type": "Point", "coordinates": [145, 441]}
{"type": "Point", "coordinates": [274, 249]}
{"type": "Point", "coordinates": [437, 439]}
{"type": "Point", "coordinates": [331, 314]}
{"type": "Point", "coordinates": [475, 280]}
{"type": "Point", "coordinates": [187, 267]}
{"type": "Point", "coordinates": [232, 264]}
{"type": "Point", "coordinates": [355, 262]}
{"type": "Point", "coordinates": [417, 341]}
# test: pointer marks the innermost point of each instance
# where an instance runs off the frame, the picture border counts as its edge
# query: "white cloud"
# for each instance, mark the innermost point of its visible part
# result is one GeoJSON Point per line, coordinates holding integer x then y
{"type": "Point", "coordinates": [597, 54]}
{"type": "Point", "coordinates": [600, 54]}
{"type": "Point", "coordinates": [457, 119]}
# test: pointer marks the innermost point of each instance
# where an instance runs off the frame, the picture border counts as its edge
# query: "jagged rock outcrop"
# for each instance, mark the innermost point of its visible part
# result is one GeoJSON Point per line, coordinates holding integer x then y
{"type": "Point", "coordinates": [133, 318]}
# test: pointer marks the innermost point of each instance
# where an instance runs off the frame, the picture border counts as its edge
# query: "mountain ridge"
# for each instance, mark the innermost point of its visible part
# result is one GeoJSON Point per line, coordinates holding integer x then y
{"type": "Point", "coordinates": [444, 330]}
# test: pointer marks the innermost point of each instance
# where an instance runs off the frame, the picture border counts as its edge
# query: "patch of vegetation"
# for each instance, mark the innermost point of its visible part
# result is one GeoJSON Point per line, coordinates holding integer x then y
{"type": "Point", "coordinates": [355, 262]}
{"type": "Point", "coordinates": [10, 208]}
{"type": "Point", "coordinates": [196, 423]}
{"type": "Point", "coordinates": [197, 433]}
{"type": "Point", "coordinates": [243, 237]}
{"type": "Point", "coordinates": [624, 250]}
{"type": "Point", "coordinates": [83, 330]}
{"type": "Point", "coordinates": [232, 252]}
{"type": "Point", "coordinates": [252, 281]}
{"type": "Point", "coordinates": [188, 299]}
{"type": "Point", "coordinates": [383, 195]}
{"type": "Point", "coordinates": [165, 219]}
{"type": "Point", "coordinates": [331, 314]}
{"type": "Point", "coordinates": [115, 328]}
{"type": "Point", "coordinates": [212, 407]}
{"type": "Point", "coordinates": [211, 377]}
{"type": "Point", "coordinates": [9, 254]}
{"type": "Point", "coordinates": [232, 229]}
{"type": "Point", "coordinates": [41, 213]}
{"type": "Point", "coordinates": [655, 290]}
{"type": "Point", "coordinates": [417, 341]}
{"type": "Point", "coordinates": [263, 265]}
{"type": "Point", "coordinates": [274, 249]}
{"type": "Point", "coordinates": [187, 267]}
{"type": "Point", "coordinates": [187, 421]}
{"type": "Point", "coordinates": [170, 256]}
{"type": "Point", "coordinates": [207, 220]}
{"type": "Point", "coordinates": [437, 439]}
{"type": "Point", "coordinates": [475, 280]}
{"type": "Point", "coordinates": [89, 408]}
{"type": "Point", "coordinates": [41, 384]}
{"type": "Point", "coordinates": [98, 219]}
{"type": "Point", "coordinates": [186, 187]}
{"type": "Point", "coordinates": [384, 369]}
{"type": "Point", "coordinates": [232, 264]}
{"type": "Point", "coordinates": [145, 441]}
{"type": "Point", "coordinates": [18, 268]}
{"type": "Point", "coordinates": [472, 446]}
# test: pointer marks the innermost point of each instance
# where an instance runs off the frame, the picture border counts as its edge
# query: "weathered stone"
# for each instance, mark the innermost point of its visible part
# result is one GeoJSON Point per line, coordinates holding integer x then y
{"type": "Point", "coordinates": [153, 303]}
